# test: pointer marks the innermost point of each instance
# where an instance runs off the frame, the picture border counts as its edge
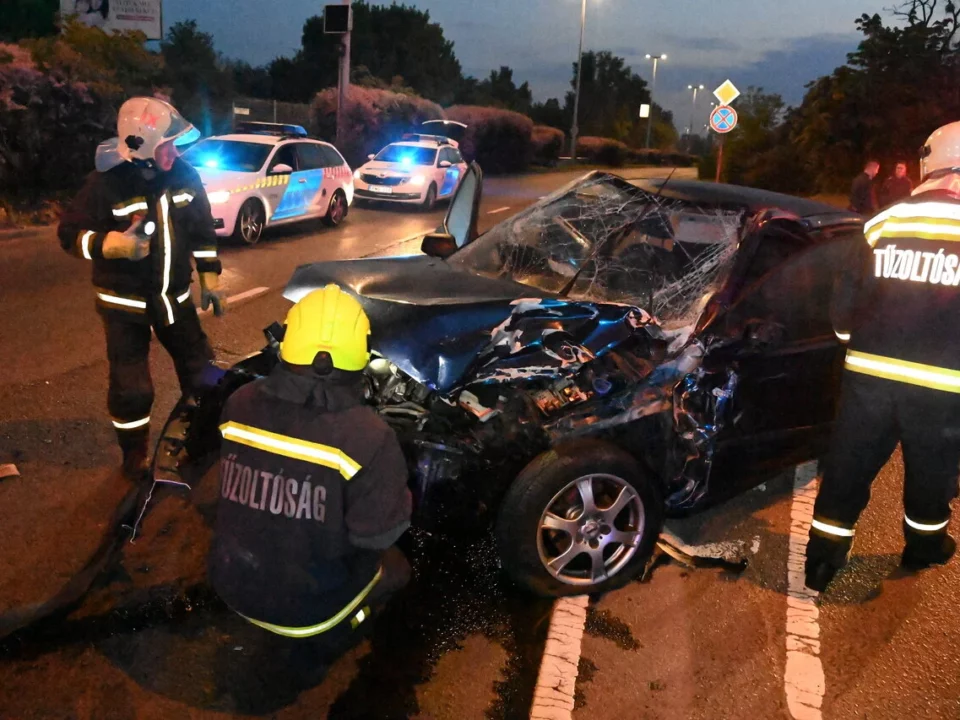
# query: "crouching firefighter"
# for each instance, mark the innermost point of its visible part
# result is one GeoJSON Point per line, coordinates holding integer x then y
{"type": "Point", "coordinates": [897, 306]}
{"type": "Point", "coordinates": [139, 219]}
{"type": "Point", "coordinates": [313, 491]}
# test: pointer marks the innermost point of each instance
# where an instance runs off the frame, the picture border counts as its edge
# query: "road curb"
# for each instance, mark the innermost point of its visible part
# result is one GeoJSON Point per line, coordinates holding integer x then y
{"type": "Point", "coordinates": [27, 232]}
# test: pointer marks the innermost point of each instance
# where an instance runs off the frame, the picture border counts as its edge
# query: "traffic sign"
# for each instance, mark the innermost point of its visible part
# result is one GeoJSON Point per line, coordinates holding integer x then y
{"type": "Point", "coordinates": [723, 119]}
{"type": "Point", "coordinates": [726, 93]}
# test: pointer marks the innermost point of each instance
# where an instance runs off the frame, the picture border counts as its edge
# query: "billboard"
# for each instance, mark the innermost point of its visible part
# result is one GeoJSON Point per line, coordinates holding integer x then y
{"type": "Point", "coordinates": [143, 15]}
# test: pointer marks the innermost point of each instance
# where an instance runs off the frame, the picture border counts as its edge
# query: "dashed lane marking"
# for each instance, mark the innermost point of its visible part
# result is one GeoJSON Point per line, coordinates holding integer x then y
{"type": "Point", "coordinates": [803, 678]}
{"type": "Point", "coordinates": [557, 680]}
{"type": "Point", "coordinates": [239, 297]}
{"type": "Point", "coordinates": [498, 210]}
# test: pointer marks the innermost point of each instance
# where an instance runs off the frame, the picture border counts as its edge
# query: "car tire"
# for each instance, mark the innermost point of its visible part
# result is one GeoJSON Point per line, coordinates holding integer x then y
{"type": "Point", "coordinates": [250, 222]}
{"type": "Point", "coordinates": [620, 540]}
{"type": "Point", "coordinates": [337, 210]}
{"type": "Point", "coordinates": [430, 201]}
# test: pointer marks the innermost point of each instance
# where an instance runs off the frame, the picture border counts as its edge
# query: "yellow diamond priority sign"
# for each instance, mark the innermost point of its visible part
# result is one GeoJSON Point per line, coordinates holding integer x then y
{"type": "Point", "coordinates": [726, 93]}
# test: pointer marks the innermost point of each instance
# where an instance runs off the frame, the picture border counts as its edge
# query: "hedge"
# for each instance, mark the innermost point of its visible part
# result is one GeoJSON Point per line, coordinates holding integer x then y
{"type": "Point", "coordinates": [374, 118]}
{"type": "Point", "coordinates": [604, 151]}
{"type": "Point", "coordinates": [547, 144]}
{"type": "Point", "coordinates": [499, 140]}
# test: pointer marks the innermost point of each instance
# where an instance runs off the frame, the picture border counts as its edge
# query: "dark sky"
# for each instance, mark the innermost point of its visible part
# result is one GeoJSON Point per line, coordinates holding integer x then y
{"type": "Point", "coordinates": [777, 44]}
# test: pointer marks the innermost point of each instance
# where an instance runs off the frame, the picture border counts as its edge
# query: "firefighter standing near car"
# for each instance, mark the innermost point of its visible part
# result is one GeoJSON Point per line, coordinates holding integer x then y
{"type": "Point", "coordinates": [897, 307]}
{"type": "Point", "coordinates": [139, 219]}
{"type": "Point", "coordinates": [313, 485]}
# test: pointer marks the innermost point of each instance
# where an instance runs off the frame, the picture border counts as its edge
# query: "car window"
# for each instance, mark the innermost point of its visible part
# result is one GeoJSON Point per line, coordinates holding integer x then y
{"type": "Point", "coordinates": [455, 156]}
{"type": "Point", "coordinates": [332, 158]}
{"type": "Point", "coordinates": [285, 155]}
{"type": "Point", "coordinates": [796, 295]}
{"type": "Point", "coordinates": [447, 154]}
{"type": "Point", "coordinates": [407, 155]}
{"type": "Point", "coordinates": [311, 156]}
{"type": "Point", "coordinates": [215, 154]}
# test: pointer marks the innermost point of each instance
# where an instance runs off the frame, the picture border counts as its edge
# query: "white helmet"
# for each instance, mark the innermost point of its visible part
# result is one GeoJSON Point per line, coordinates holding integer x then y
{"type": "Point", "coordinates": [941, 152]}
{"type": "Point", "coordinates": [146, 123]}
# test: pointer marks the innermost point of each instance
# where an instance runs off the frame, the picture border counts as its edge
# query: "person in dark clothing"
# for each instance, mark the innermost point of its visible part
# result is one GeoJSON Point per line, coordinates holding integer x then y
{"type": "Point", "coordinates": [313, 485]}
{"type": "Point", "coordinates": [896, 187]}
{"type": "Point", "coordinates": [897, 306]}
{"type": "Point", "coordinates": [863, 199]}
{"type": "Point", "coordinates": [139, 219]}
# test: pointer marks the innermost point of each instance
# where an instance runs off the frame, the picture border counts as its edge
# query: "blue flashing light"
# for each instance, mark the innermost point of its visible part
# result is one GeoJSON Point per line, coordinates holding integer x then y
{"type": "Point", "coordinates": [211, 163]}
{"type": "Point", "coordinates": [406, 161]}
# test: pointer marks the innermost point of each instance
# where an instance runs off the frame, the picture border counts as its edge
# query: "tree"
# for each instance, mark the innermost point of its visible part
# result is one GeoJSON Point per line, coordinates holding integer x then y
{"type": "Point", "coordinates": [251, 81]}
{"type": "Point", "coordinates": [550, 113]}
{"type": "Point", "coordinates": [499, 90]}
{"type": "Point", "coordinates": [28, 19]}
{"type": "Point", "coordinates": [201, 86]}
{"type": "Point", "coordinates": [390, 41]}
{"type": "Point", "coordinates": [610, 98]}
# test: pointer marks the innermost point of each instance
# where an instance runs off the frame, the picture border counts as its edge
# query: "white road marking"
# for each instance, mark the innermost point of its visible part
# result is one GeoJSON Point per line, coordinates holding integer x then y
{"type": "Point", "coordinates": [233, 299]}
{"type": "Point", "coordinates": [498, 210]}
{"type": "Point", "coordinates": [803, 679]}
{"type": "Point", "coordinates": [557, 680]}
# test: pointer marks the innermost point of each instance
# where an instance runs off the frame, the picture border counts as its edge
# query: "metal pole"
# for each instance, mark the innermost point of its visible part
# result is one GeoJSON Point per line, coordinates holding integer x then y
{"type": "Point", "coordinates": [576, 97]}
{"type": "Point", "coordinates": [719, 158]}
{"type": "Point", "coordinates": [343, 81]}
{"type": "Point", "coordinates": [693, 112]}
{"type": "Point", "coordinates": [274, 110]}
{"type": "Point", "coordinates": [653, 88]}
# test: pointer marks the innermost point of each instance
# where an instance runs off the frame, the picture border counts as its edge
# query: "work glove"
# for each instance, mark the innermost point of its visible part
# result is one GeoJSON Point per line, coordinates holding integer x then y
{"type": "Point", "coordinates": [209, 295]}
{"type": "Point", "coordinates": [132, 244]}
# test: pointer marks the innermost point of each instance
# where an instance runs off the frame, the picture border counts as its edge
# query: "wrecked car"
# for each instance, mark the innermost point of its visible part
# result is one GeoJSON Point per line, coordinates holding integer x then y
{"type": "Point", "coordinates": [617, 353]}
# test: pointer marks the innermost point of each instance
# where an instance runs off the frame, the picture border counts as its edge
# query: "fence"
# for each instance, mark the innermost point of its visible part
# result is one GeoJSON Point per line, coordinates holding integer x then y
{"type": "Point", "coordinates": [257, 110]}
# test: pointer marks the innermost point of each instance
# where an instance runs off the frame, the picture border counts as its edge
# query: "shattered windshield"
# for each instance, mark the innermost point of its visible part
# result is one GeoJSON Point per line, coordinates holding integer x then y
{"type": "Point", "coordinates": [603, 239]}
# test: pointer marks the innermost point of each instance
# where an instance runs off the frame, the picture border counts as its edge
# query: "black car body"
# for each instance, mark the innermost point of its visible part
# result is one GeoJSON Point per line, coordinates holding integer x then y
{"type": "Point", "coordinates": [618, 352]}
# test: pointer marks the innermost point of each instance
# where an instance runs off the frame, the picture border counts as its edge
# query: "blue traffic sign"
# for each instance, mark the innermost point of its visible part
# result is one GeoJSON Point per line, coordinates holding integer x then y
{"type": "Point", "coordinates": [723, 119]}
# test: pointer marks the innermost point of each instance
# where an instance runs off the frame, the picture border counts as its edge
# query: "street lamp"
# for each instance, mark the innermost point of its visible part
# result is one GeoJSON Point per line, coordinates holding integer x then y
{"type": "Point", "coordinates": [576, 98]}
{"type": "Point", "coordinates": [653, 86]}
{"type": "Point", "coordinates": [693, 110]}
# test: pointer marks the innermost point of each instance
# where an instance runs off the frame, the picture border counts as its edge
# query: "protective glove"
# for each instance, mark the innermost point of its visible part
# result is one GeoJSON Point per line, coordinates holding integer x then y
{"type": "Point", "coordinates": [209, 295]}
{"type": "Point", "coordinates": [133, 244]}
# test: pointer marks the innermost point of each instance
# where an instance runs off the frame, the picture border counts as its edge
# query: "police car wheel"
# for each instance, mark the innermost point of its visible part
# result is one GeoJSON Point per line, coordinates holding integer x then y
{"type": "Point", "coordinates": [250, 222]}
{"type": "Point", "coordinates": [430, 201]}
{"type": "Point", "coordinates": [337, 211]}
{"type": "Point", "coordinates": [580, 518]}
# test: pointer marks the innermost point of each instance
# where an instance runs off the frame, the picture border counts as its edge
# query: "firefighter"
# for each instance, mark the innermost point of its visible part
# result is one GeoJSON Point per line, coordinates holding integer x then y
{"type": "Point", "coordinates": [139, 218]}
{"type": "Point", "coordinates": [897, 308]}
{"type": "Point", "coordinates": [313, 485]}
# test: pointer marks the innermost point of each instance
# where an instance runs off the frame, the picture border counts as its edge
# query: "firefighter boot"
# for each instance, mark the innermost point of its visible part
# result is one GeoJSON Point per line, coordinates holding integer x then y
{"type": "Point", "coordinates": [825, 557]}
{"type": "Point", "coordinates": [923, 551]}
{"type": "Point", "coordinates": [135, 454]}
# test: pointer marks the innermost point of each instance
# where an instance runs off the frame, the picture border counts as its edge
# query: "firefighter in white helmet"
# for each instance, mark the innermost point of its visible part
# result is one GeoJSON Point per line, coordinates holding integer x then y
{"type": "Point", "coordinates": [139, 219]}
{"type": "Point", "coordinates": [897, 308]}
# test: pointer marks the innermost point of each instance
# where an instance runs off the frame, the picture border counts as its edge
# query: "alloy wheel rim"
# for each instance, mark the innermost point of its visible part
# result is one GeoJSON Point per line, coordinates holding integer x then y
{"type": "Point", "coordinates": [250, 226]}
{"type": "Point", "coordinates": [591, 529]}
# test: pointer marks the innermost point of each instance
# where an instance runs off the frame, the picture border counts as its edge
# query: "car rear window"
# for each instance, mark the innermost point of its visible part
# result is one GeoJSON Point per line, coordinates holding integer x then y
{"type": "Point", "coordinates": [407, 155]}
{"type": "Point", "coordinates": [213, 154]}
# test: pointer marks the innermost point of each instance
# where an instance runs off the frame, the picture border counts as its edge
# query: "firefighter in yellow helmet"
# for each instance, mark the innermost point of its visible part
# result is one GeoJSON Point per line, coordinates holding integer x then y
{"type": "Point", "coordinates": [142, 221]}
{"type": "Point", "coordinates": [313, 493]}
{"type": "Point", "coordinates": [897, 308]}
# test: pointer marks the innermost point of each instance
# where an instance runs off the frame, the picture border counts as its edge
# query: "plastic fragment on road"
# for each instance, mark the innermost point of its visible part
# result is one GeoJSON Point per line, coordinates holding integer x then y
{"type": "Point", "coordinates": [8, 471]}
{"type": "Point", "coordinates": [729, 554]}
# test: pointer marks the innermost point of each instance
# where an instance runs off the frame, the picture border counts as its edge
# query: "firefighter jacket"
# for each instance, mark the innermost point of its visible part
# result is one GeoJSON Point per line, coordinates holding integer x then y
{"type": "Point", "coordinates": [176, 203]}
{"type": "Point", "coordinates": [313, 490]}
{"type": "Point", "coordinates": [898, 299]}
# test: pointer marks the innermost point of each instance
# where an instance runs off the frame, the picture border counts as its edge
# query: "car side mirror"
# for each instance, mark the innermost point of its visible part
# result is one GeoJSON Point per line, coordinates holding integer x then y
{"type": "Point", "coordinates": [761, 334]}
{"type": "Point", "coordinates": [371, 156]}
{"type": "Point", "coordinates": [444, 164]}
{"type": "Point", "coordinates": [438, 245]}
{"type": "Point", "coordinates": [281, 169]}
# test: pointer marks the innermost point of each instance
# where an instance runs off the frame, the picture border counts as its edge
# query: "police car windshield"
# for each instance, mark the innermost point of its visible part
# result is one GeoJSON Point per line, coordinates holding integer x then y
{"type": "Point", "coordinates": [213, 154]}
{"type": "Point", "coordinates": [407, 155]}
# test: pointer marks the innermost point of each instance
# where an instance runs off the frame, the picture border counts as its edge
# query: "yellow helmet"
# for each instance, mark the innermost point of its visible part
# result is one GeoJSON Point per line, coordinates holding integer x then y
{"type": "Point", "coordinates": [327, 320]}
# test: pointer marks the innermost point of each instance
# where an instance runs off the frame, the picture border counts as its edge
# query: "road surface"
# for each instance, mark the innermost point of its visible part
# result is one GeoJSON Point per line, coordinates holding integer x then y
{"type": "Point", "coordinates": [151, 641]}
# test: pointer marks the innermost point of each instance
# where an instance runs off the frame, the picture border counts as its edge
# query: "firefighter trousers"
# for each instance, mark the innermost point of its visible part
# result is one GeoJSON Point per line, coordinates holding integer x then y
{"type": "Point", "coordinates": [130, 395]}
{"type": "Point", "coordinates": [875, 415]}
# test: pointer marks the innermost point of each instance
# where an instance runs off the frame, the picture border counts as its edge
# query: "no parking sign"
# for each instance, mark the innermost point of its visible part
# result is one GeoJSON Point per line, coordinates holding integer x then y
{"type": "Point", "coordinates": [723, 119]}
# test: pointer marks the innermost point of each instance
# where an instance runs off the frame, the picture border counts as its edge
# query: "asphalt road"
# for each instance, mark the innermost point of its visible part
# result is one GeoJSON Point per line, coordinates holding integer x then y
{"type": "Point", "coordinates": [151, 641]}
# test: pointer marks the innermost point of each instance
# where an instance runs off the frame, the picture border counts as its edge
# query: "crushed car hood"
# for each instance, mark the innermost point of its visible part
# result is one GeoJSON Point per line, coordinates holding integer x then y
{"type": "Point", "coordinates": [447, 328]}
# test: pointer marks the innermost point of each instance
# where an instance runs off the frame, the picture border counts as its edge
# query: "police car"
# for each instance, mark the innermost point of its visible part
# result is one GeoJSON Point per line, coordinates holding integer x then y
{"type": "Point", "coordinates": [420, 169]}
{"type": "Point", "coordinates": [270, 174]}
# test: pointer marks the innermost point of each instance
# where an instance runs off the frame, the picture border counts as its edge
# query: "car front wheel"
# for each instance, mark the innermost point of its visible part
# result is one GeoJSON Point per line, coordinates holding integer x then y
{"type": "Point", "coordinates": [430, 201]}
{"type": "Point", "coordinates": [581, 518]}
{"type": "Point", "coordinates": [250, 222]}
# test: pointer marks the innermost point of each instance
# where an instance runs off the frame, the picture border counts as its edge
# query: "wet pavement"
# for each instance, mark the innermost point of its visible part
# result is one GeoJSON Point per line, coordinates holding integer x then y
{"type": "Point", "coordinates": [150, 640]}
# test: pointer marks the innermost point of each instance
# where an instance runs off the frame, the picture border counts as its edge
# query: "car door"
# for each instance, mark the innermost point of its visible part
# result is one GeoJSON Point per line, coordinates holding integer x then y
{"type": "Point", "coordinates": [314, 184]}
{"type": "Point", "coordinates": [286, 196]}
{"type": "Point", "coordinates": [451, 175]}
{"type": "Point", "coordinates": [777, 338]}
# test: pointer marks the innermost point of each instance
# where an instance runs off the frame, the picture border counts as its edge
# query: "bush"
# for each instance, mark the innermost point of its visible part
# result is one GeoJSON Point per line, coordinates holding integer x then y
{"type": "Point", "coordinates": [547, 144]}
{"type": "Point", "coordinates": [49, 127]}
{"type": "Point", "coordinates": [501, 141]}
{"type": "Point", "coordinates": [603, 151]}
{"type": "Point", "coordinates": [373, 118]}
